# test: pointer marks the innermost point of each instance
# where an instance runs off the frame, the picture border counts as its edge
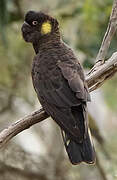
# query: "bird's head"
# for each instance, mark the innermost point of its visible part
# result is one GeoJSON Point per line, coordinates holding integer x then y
{"type": "Point", "coordinates": [38, 25]}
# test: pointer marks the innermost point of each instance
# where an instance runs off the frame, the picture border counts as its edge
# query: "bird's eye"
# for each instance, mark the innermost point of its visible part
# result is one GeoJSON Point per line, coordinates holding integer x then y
{"type": "Point", "coordinates": [34, 23]}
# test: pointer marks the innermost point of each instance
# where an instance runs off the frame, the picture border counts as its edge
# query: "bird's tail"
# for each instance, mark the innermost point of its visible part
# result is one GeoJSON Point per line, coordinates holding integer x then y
{"type": "Point", "coordinates": [79, 152]}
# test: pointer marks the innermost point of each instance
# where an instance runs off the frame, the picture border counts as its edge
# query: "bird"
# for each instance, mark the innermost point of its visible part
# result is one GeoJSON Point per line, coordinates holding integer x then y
{"type": "Point", "coordinates": [59, 81]}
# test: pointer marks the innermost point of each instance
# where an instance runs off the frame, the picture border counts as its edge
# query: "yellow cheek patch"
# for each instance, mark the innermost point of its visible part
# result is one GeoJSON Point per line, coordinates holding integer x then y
{"type": "Point", "coordinates": [46, 28]}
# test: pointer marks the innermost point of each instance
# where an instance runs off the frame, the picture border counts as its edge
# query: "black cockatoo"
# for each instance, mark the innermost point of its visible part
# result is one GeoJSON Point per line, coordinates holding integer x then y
{"type": "Point", "coordinates": [59, 82]}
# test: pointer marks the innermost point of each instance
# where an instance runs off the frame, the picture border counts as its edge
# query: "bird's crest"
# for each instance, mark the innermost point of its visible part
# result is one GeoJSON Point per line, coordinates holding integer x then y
{"type": "Point", "coordinates": [46, 27]}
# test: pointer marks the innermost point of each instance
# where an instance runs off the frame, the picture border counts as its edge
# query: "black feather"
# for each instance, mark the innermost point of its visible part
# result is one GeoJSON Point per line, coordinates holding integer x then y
{"type": "Point", "coordinates": [80, 152]}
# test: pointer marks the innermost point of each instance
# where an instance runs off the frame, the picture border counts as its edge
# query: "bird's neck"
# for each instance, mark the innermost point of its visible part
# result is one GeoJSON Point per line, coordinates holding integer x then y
{"type": "Point", "coordinates": [46, 42]}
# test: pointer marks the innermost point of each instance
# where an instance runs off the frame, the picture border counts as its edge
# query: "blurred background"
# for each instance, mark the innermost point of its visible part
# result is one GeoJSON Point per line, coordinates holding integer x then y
{"type": "Point", "coordinates": [38, 153]}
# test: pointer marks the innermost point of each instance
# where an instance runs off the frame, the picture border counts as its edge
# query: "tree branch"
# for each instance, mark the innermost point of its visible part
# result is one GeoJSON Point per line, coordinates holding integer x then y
{"type": "Point", "coordinates": [94, 81]}
{"type": "Point", "coordinates": [111, 29]}
{"type": "Point", "coordinates": [102, 73]}
{"type": "Point", "coordinates": [22, 124]}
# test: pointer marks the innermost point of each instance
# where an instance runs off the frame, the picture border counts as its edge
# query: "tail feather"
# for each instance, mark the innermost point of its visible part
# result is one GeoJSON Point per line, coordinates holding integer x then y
{"type": "Point", "coordinates": [80, 152]}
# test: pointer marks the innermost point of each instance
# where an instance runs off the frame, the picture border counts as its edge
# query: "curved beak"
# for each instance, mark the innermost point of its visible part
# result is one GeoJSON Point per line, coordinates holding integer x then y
{"type": "Point", "coordinates": [26, 23]}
